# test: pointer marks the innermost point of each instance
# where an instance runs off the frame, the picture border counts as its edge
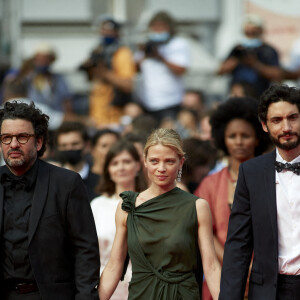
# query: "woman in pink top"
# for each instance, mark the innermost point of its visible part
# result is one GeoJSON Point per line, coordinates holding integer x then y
{"type": "Point", "coordinates": [238, 133]}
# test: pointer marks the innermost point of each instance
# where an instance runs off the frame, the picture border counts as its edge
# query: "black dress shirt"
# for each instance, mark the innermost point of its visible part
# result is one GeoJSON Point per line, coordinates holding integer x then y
{"type": "Point", "coordinates": [18, 195]}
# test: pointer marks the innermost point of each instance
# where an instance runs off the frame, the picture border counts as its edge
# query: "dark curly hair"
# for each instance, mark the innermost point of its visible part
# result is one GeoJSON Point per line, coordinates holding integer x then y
{"type": "Point", "coordinates": [276, 93]}
{"type": "Point", "coordinates": [244, 108]}
{"type": "Point", "coordinates": [16, 109]}
{"type": "Point", "coordinates": [106, 185]}
{"type": "Point", "coordinates": [71, 126]}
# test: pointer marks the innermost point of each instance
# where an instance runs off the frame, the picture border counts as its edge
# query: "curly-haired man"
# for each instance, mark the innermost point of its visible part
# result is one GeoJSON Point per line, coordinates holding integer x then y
{"type": "Point", "coordinates": [49, 248]}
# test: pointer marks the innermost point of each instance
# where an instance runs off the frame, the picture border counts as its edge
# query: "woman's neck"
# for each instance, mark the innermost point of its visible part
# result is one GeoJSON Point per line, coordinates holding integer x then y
{"type": "Point", "coordinates": [97, 169]}
{"type": "Point", "coordinates": [156, 190]}
{"type": "Point", "coordinates": [233, 167]}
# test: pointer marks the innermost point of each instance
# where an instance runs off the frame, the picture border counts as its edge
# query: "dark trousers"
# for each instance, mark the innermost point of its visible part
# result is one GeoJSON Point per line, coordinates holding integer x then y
{"type": "Point", "coordinates": [288, 287]}
{"type": "Point", "coordinates": [13, 295]}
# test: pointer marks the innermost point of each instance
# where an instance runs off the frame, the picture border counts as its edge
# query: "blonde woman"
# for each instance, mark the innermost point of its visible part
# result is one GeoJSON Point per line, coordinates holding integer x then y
{"type": "Point", "coordinates": [166, 231]}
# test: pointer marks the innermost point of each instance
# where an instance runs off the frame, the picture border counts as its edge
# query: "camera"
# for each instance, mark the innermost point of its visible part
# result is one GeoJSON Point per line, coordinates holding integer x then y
{"type": "Point", "coordinates": [241, 52]}
{"type": "Point", "coordinates": [150, 48]}
{"type": "Point", "coordinates": [95, 58]}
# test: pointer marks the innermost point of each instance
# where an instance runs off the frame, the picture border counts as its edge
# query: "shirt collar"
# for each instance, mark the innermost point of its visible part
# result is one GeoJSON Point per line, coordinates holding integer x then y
{"type": "Point", "coordinates": [84, 172]}
{"type": "Point", "coordinates": [280, 159]}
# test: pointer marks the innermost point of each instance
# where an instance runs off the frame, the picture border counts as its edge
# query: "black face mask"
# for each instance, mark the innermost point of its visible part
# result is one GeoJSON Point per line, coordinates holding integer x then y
{"type": "Point", "coordinates": [73, 157]}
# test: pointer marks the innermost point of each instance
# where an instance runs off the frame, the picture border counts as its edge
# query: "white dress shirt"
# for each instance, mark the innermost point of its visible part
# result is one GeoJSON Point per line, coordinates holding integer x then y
{"type": "Point", "coordinates": [288, 219]}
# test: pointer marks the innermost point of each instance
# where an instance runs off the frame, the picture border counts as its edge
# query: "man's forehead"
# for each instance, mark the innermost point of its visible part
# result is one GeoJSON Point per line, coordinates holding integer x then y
{"type": "Point", "coordinates": [16, 124]}
{"type": "Point", "coordinates": [282, 108]}
{"type": "Point", "coordinates": [70, 137]}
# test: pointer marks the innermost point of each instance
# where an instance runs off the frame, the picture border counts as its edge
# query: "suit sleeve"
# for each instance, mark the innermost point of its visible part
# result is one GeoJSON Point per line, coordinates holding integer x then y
{"type": "Point", "coordinates": [83, 241]}
{"type": "Point", "coordinates": [239, 244]}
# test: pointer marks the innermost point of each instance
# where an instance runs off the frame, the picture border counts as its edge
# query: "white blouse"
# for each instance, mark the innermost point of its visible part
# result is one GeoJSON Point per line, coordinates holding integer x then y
{"type": "Point", "coordinates": [104, 210]}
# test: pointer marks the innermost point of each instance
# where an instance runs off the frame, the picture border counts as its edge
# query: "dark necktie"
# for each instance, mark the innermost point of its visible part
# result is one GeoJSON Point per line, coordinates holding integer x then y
{"type": "Point", "coordinates": [13, 183]}
{"type": "Point", "coordinates": [295, 167]}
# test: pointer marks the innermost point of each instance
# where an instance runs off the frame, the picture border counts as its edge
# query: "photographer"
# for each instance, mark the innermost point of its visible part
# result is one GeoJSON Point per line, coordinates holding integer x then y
{"type": "Point", "coordinates": [162, 61]}
{"type": "Point", "coordinates": [252, 61]}
{"type": "Point", "coordinates": [111, 69]}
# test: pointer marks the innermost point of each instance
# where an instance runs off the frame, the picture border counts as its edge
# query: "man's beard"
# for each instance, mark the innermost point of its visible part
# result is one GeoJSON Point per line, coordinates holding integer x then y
{"type": "Point", "coordinates": [22, 162]}
{"type": "Point", "coordinates": [288, 145]}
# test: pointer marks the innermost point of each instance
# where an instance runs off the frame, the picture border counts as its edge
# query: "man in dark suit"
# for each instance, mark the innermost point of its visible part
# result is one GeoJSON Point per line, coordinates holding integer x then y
{"type": "Point", "coordinates": [265, 219]}
{"type": "Point", "coordinates": [49, 247]}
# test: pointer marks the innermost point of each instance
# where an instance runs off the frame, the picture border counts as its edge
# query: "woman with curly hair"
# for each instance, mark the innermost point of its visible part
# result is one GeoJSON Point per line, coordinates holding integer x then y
{"type": "Point", "coordinates": [236, 131]}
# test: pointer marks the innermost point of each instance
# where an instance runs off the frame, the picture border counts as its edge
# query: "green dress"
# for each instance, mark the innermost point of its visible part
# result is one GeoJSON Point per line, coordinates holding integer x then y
{"type": "Point", "coordinates": [163, 246]}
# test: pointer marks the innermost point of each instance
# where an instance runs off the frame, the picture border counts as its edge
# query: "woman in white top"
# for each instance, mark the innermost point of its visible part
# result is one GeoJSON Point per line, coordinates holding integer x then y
{"type": "Point", "coordinates": [121, 173]}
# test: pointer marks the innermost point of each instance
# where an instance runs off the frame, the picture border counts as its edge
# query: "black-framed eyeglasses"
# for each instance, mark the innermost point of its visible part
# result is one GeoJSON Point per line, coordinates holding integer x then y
{"type": "Point", "coordinates": [22, 138]}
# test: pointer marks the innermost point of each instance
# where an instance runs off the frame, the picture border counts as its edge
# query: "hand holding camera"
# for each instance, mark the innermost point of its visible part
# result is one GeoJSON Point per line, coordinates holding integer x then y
{"type": "Point", "coordinates": [151, 50]}
{"type": "Point", "coordinates": [245, 55]}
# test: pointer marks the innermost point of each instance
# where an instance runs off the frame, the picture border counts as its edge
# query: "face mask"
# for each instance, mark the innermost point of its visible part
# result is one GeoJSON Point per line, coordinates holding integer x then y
{"type": "Point", "coordinates": [42, 69]}
{"type": "Point", "coordinates": [108, 40]}
{"type": "Point", "coordinates": [251, 43]}
{"type": "Point", "coordinates": [72, 157]}
{"type": "Point", "coordinates": [159, 37]}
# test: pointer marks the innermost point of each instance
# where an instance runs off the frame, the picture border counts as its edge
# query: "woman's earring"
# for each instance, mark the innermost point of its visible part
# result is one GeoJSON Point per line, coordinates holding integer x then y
{"type": "Point", "coordinates": [179, 175]}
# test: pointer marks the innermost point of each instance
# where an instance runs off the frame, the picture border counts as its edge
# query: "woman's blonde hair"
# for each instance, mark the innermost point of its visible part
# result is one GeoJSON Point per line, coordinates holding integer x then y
{"type": "Point", "coordinates": [166, 137]}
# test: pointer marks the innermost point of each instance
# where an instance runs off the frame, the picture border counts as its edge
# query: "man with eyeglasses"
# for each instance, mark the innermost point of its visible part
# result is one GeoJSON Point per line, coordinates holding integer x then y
{"type": "Point", "coordinates": [48, 242]}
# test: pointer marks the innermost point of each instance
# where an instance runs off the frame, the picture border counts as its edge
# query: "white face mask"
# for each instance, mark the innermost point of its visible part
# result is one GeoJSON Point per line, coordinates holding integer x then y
{"type": "Point", "coordinates": [251, 43]}
{"type": "Point", "coordinates": [158, 37]}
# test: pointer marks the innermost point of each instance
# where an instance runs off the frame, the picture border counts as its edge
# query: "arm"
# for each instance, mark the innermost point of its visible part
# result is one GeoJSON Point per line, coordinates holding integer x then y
{"type": "Point", "coordinates": [177, 70]}
{"type": "Point", "coordinates": [292, 75]}
{"type": "Point", "coordinates": [266, 63]}
{"type": "Point", "coordinates": [267, 71]}
{"type": "Point", "coordinates": [123, 84]}
{"type": "Point", "coordinates": [219, 249]}
{"type": "Point", "coordinates": [175, 60]}
{"type": "Point", "coordinates": [122, 72]}
{"type": "Point", "coordinates": [83, 242]}
{"type": "Point", "coordinates": [211, 265]}
{"type": "Point", "coordinates": [228, 65]}
{"type": "Point", "coordinates": [113, 271]}
{"type": "Point", "coordinates": [207, 191]}
{"type": "Point", "coordinates": [239, 244]}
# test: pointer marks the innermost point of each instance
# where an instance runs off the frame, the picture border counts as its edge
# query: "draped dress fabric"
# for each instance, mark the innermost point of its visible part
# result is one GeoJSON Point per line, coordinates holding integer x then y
{"type": "Point", "coordinates": [163, 246]}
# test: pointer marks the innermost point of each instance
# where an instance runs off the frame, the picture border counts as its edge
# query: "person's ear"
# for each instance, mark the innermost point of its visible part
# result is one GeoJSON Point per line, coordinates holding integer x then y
{"type": "Point", "coordinates": [181, 162]}
{"type": "Point", "coordinates": [264, 127]}
{"type": "Point", "coordinates": [39, 143]}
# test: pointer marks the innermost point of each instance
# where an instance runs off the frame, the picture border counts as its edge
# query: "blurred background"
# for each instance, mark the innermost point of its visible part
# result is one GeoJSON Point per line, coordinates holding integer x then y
{"type": "Point", "coordinates": [211, 27]}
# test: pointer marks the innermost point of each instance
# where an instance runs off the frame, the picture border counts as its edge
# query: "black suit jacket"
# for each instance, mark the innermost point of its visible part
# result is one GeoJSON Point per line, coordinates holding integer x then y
{"type": "Point", "coordinates": [252, 229]}
{"type": "Point", "coordinates": [91, 181]}
{"type": "Point", "coordinates": [62, 240]}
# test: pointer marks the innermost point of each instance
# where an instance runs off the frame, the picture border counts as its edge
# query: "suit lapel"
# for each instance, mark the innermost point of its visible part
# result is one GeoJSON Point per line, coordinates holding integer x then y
{"type": "Point", "coordinates": [1, 203]}
{"type": "Point", "coordinates": [39, 198]}
{"type": "Point", "coordinates": [271, 193]}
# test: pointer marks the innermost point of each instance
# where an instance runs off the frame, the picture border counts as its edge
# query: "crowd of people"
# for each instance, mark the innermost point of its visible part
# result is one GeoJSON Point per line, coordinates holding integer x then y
{"type": "Point", "coordinates": [161, 186]}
